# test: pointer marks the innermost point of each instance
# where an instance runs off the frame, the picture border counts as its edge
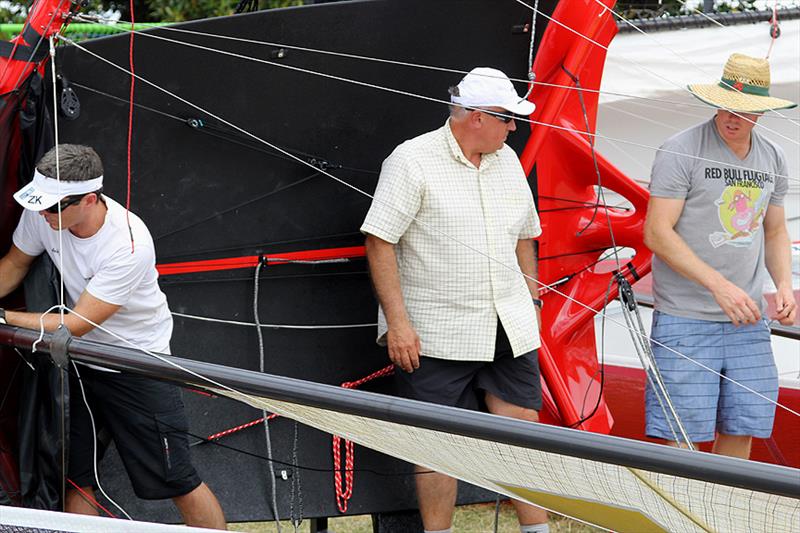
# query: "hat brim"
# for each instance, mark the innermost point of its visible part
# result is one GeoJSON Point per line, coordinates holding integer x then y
{"type": "Point", "coordinates": [522, 107]}
{"type": "Point", "coordinates": [721, 97]}
{"type": "Point", "coordinates": [33, 199]}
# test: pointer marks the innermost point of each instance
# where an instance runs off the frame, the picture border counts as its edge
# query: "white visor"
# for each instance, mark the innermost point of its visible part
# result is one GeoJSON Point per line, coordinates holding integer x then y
{"type": "Point", "coordinates": [44, 192]}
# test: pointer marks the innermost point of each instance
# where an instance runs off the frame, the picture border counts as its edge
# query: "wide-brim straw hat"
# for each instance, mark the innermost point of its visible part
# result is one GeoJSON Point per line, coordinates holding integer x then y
{"type": "Point", "coordinates": [744, 87]}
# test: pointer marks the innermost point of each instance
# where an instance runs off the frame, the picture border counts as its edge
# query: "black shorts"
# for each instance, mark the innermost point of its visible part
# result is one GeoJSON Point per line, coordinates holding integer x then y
{"type": "Point", "coordinates": [146, 420]}
{"type": "Point", "coordinates": [463, 383]}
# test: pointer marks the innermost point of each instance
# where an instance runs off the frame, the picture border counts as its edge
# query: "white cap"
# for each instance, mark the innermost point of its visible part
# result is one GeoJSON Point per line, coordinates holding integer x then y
{"type": "Point", "coordinates": [489, 87]}
{"type": "Point", "coordinates": [44, 192]}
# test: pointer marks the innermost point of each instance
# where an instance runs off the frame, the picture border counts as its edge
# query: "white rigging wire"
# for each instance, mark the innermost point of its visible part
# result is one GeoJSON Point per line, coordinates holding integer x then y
{"type": "Point", "coordinates": [421, 223]}
{"type": "Point", "coordinates": [147, 32]}
{"type": "Point", "coordinates": [651, 72]}
{"type": "Point", "coordinates": [396, 91]}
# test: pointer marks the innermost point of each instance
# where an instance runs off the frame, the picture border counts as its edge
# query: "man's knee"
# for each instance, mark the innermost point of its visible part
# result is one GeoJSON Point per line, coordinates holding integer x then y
{"type": "Point", "coordinates": [501, 407]}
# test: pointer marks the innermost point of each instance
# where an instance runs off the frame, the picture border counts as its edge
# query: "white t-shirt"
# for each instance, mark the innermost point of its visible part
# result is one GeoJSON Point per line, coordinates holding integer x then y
{"type": "Point", "coordinates": [104, 266]}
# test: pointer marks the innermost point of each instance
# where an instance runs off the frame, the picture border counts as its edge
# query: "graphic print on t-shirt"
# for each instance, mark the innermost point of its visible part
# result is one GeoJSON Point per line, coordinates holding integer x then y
{"type": "Point", "coordinates": [740, 210]}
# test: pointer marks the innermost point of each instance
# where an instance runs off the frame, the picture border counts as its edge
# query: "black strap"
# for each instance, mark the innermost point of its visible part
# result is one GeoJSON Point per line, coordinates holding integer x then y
{"type": "Point", "coordinates": [23, 52]}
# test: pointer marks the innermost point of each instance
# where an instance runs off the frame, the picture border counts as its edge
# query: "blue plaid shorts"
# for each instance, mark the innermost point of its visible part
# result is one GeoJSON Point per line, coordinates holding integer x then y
{"type": "Point", "coordinates": [704, 401]}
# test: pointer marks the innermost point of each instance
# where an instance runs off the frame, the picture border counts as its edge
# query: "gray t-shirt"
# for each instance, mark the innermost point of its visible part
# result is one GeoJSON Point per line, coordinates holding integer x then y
{"type": "Point", "coordinates": [721, 219]}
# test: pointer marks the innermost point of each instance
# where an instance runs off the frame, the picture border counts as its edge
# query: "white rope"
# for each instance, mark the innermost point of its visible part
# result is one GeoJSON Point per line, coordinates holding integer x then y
{"type": "Point", "coordinates": [58, 179]}
{"type": "Point", "coordinates": [422, 224]}
{"type": "Point", "coordinates": [697, 67]}
{"type": "Point", "coordinates": [645, 69]}
{"type": "Point", "coordinates": [387, 89]}
{"type": "Point", "coordinates": [94, 443]}
{"type": "Point", "coordinates": [276, 326]}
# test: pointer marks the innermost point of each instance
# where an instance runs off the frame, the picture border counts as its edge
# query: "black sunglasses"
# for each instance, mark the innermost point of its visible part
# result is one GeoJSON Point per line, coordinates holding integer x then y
{"type": "Point", "coordinates": [504, 117]}
{"type": "Point", "coordinates": [70, 200]}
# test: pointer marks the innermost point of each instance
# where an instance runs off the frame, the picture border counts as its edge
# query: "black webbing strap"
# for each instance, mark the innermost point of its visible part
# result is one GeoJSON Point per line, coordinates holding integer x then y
{"type": "Point", "coordinates": [24, 52]}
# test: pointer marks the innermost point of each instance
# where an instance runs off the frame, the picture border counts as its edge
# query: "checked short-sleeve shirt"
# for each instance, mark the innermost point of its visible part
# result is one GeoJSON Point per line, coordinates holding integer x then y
{"type": "Point", "coordinates": [454, 295]}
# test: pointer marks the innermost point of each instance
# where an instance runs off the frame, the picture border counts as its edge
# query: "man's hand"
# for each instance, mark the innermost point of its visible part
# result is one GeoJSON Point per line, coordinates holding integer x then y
{"type": "Point", "coordinates": [404, 346]}
{"type": "Point", "coordinates": [739, 307]}
{"type": "Point", "coordinates": [785, 306]}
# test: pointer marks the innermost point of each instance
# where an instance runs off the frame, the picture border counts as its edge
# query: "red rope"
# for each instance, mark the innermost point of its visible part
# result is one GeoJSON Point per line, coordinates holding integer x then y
{"type": "Point", "coordinates": [236, 429]}
{"type": "Point", "coordinates": [342, 482]}
{"type": "Point", "coordinates": [130, 127]}
{"type": "Point", "coordinates": [90, 499]}
{"type": "Point", "coordinates": [343, 485]}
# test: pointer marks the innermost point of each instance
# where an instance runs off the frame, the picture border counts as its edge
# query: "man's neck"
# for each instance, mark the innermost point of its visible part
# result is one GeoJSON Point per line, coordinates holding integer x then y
{"type": "Point", "coordinates": [739, 148]}
{"type": "Point", "coordinates": [93, 222]}
{"type": "Point", "coordinates": [468, 147]}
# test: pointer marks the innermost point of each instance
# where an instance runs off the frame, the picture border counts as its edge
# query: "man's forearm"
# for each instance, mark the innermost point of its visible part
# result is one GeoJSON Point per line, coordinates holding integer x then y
{"type": "Point", "coordinates": [386, 279]}
{"type": "Point", "coordinates": [11, 275]}
{"type": "Point", "coordinates": [778, 257]}
{"type": "Point", "coordinates": [526, 257]}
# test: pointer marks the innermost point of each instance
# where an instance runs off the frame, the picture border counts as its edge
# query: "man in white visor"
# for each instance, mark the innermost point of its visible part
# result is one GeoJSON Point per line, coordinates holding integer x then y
{"type": "Point", "coordinates": [461, 329]}
{"type": "Point", "coordinates": [109, 276]}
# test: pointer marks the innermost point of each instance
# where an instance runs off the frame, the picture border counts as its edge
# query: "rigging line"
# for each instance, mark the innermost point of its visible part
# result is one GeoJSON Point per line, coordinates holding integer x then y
{"type": "Point", "coordinates": [100, 20]}
{"type": "Point", "coordinates": [216, 133]}
{"type": "Point", "coordinates": [645, 103]}
{"type": "Point", "coordinates": [165, 282]}
{"type": "Point", "coordinates": [41, 39]}
{"type": "Point", "coordinates": [602, 194]}
{"type": "Point", "coordinates": [275, 326]}
{"type": "Point", "coordinates": [642, 67]}
{"type": "Point", "coordinates": [581, 202]}
{"type": "Point", "coordinates": [387, 89]}
{"type": "Point", "coordinates": [692, 63]}
{"type": "Point", "coordinates": [645, 119]}
{"type": "Point", "coordinates": [421, 223]}
{"type": "Point", "coordinates": [58, 178]}
{"type": "Point", "coordinates": [239, 206]}
{"type": "Point", "coordinates": [60, 271]}
{"type": "Point", "coordinates": [130, 127]}
{"type": "Point", "coordinates": [94, 441]}
{"type": "Point", "coordinates": [264, 414]}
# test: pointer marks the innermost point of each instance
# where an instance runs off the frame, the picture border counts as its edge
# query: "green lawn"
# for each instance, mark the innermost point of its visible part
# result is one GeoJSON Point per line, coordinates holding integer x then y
{"type": "Point", "coordinates": [468, 519]}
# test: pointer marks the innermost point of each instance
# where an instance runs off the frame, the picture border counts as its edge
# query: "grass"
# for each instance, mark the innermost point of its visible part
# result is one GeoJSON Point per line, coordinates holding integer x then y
{"type": "Point", "coordinates": [477, 518]}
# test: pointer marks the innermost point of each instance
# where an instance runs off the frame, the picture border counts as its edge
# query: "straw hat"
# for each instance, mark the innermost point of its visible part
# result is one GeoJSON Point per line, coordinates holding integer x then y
{"type": "Point", "coordinates": [744, 87]}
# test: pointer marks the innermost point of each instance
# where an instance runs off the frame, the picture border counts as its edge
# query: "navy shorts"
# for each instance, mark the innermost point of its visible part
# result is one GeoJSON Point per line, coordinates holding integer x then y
{"type": "Point", "coordinates": [463, 383]}
{"type": "Point", "coordinates": [146, 420]}
{"type": "Point", "coordinates": [705, 402]}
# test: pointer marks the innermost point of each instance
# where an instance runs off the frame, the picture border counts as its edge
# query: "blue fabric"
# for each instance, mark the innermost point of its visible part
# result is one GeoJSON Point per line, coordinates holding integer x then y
{"type": "Point", "coordinates": [704, 401]}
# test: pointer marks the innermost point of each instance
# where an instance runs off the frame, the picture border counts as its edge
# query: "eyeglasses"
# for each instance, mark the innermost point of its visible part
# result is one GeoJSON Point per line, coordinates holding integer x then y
{"type": "Point", "coordinates": [71, 200]}
{"type": "Point", "coordinates": [503, 117]}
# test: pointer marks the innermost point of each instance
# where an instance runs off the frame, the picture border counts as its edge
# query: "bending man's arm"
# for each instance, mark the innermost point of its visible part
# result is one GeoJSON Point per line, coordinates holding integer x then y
{"type": "Point", "coordinates": [88, 306]}
{"type": "Point", "coordinates": [660, 236]}
{"type": "Point", "coordinates": [402, 340]}
{"type": "Point", "coordinates": [13, 267]}
{"type": "Point", "coordinates": [778, 258]}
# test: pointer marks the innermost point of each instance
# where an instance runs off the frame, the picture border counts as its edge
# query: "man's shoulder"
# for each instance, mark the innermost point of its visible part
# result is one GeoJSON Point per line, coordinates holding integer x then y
{"type": "Point", "coordinates": [119, 236]}
{"type": "Point", "coordinates": [770, 148]}
{"type": "Point", "coordinates": [421, 144]}
{"type": "Point", "coordinates": [689, 140]}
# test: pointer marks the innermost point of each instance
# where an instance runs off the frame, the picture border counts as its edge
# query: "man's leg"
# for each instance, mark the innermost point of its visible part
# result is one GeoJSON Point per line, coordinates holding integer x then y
{"type": "Point", "coordinates": [200, 508]}
{"type": "Point", "coordinates": [733, 445]}
{"type": "Point", "coordinates": [78, 503]}
{"type": "Point", "coordinates": [742, 414]}
{"type": "Point", "coordinates": [527, 515]}
{"type": "Point", "coordinates": [436, 495]}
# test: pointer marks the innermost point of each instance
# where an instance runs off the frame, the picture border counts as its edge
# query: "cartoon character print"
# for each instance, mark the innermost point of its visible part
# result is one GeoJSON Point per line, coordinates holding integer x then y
{"type": "Point", "coordinates": [740, 210]}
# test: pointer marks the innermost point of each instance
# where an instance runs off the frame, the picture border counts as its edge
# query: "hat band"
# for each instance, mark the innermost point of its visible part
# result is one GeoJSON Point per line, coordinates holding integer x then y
{"type": "Point", "coordinates": [746, 88]}
{"type": "Point", "coordinates": [64, 188]}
